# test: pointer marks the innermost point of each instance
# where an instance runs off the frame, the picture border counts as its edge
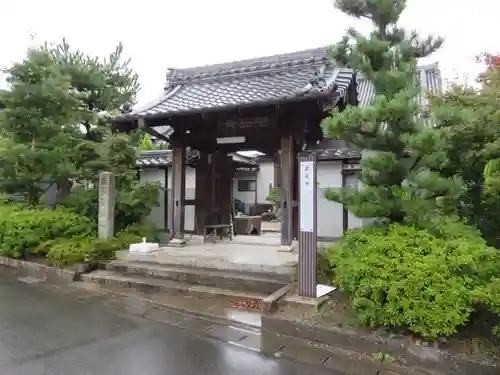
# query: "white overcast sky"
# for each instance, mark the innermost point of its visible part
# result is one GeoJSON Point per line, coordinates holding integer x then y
{"type": "Point", "coordinates": [181, 33]}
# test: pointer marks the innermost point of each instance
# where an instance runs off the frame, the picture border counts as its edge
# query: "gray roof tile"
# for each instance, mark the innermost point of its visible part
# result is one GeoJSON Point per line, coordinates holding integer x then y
{"type": "Point", "coordinates": [276, 78]}
{"type": "Point", "coordinates": [160, 158]}
{"type": "Point", "coordinates": [430, 80]}
{"type": "Point", "coordinates": [163, 158]}
{"type": "Point", "coordinates": [431, 84]}
{"type": "Point", "coordinates": [333, 149]}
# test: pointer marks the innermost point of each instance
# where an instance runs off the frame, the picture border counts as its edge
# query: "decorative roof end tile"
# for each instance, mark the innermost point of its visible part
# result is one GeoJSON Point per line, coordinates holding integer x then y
{"type": "Point", "coordinates": [169, 79]}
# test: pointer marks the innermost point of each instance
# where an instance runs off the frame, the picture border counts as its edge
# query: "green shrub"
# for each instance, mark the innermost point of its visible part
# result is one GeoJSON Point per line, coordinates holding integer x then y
{"type": "Point", "coordinates": [406, 277]}
{"type": "Point", "coordinates": [324, 270]}
{"type": "Point", "coordinates": [140, 231]}
{"type": "Point", "coordinates": [131, 206]}
{"type": "Point", "coordinates": [489, 295]}
{"type": "Point", "coordinates": [274, 196]}
{"type": "Point", "coordinates": [24, 230]}
{"type": "Point", "coordinates": [64, 251]}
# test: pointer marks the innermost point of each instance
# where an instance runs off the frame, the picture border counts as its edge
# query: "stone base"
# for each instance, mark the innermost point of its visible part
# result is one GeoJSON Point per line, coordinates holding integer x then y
{"type": "Point", "coordinates": [144, 247]}
{"type": "Point", "coordinates": [305, 302]}
{"type": "Point", "coordinates": [177, 242]}
{"type": "Point", "coordinates": [286, 248]}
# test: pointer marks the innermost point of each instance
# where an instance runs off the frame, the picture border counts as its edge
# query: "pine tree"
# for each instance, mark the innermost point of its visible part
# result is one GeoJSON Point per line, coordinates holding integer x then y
{"type": "Point", "coordinates": [102, 86]}
{"type": "Point", "coordinates": [399, 181]}
{"type": "Point", "coordinates": [39, 126]}
{"type": "Point", "coordinates": [55, 126]}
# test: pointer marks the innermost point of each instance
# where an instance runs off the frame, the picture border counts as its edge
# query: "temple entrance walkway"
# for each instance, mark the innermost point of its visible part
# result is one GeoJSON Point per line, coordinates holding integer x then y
{"type": "Point", "coordinates": [259, 254]}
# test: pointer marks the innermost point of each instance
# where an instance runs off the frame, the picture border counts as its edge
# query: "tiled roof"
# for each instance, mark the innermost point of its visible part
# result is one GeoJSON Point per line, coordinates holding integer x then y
{"type": "Point", "coordinates": [160, 158]}
{"type": "Point", "coordinates": [163, 158]}
{"type": "Point", "coordinates": [278, 79]}
{"type": "Point", "coordinates": [428, 75]}
{"type": "Point", "coordinates": [332, 149]}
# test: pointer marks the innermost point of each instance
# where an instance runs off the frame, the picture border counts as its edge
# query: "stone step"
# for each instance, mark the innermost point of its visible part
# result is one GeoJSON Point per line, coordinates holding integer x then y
{"type": "Point", "coordinates": [251, 282]}
{"type": "Point", "coordinates": [287, 270]}
{"type": "Point", "coordinates": [150, 285]}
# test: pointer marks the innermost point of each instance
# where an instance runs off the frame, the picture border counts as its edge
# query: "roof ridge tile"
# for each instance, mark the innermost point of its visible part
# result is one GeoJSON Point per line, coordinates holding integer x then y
{"type": "Point", "coordinates": [279, 61]}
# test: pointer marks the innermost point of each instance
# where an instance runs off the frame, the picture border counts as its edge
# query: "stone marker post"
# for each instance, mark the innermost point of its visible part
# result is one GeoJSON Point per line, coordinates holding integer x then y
{"type": "Point", "coordinates": [308, 240]}
{"type": "Point", "coordinates": [52, 196]}
{"type": "Point", "coordinates": [106, 221]}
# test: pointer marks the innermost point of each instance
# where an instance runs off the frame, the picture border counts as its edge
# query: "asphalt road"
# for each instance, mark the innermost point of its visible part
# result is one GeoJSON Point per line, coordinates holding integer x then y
{"type": "Point", "coordinates": [45, 331]}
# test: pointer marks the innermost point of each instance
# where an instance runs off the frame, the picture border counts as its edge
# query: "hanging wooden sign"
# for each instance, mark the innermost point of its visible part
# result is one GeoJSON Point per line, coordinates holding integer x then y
{"type": "Point", "coordinates": [244, 124]}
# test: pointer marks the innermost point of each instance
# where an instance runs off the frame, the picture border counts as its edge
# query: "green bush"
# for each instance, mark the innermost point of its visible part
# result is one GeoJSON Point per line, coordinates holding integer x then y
{"type": "Point", "coordinates": [131, 206]}
{"type": "Point", "coordinates": [324, 271]}
{"type": "Point", "coordinates": [489, 295]}
{"type": "Point", "coordinates": [140, 231]}
{"type": "Point", "coordinates": [409, 278]}
{"type": "Point", "coordinates": [274, 196]}
{"type": "Point", "coordinates": [23, 230]}
{"type": "Point", "coordinates": [66, 251]}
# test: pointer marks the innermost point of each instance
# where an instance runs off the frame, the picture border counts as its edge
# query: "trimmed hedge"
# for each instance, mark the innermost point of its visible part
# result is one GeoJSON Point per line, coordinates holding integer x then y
{"type": "Point", "coordinates": [404, 277]}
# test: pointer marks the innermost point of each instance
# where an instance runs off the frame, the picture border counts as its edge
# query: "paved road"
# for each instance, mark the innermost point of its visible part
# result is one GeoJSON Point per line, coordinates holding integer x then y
{"type": "Point", "coordinates": [49, 332]}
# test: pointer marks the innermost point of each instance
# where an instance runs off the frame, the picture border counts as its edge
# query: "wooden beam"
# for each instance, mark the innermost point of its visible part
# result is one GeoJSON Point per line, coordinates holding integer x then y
{"type": "Point", "coordinates": [178, 193]}
{"type": "Point", "coordinates": [287, 169]}
{"type": "Point", "coordinates": [203, 191]}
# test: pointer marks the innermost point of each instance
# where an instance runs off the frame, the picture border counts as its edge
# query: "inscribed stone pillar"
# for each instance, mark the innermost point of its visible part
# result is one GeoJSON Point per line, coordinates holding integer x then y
{"type": "Point", "coordinates": [178, 193]}
{"type": "Point", "coordinates": [52, 196]}
{"type": "Point", "coordinates": [106, 220]}
{"type": "Point", "coordinates": [287, 169]}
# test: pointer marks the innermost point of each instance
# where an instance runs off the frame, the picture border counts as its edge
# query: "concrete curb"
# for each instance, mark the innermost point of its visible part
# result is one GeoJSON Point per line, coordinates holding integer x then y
{"type": "Point", "coordinates": [404, 355]}
{"type": "Point", "coordinates": [217, 319]}
{"type": "Point", "coordinates": [270, 303]}
{"type": "Point", "coordinates": [40, 269]}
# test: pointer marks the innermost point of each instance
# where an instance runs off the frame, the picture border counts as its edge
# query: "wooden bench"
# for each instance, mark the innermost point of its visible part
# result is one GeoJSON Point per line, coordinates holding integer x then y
{"type": "Point", "coordinates": [214, 229]}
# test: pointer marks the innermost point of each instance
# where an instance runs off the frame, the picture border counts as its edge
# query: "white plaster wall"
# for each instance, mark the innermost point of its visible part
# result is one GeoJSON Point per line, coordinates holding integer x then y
{"type": "Point", "coordinates": [353, 221]}
{"type": "Point", "coordinates": [157, 216]}
{"type": "Point", "coordinates": [329, 214]}
{"type": "Point", "coordinates": [265, 176]}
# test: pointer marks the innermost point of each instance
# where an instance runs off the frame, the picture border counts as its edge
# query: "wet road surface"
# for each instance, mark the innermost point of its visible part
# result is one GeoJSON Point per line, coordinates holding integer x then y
{"type": "Point", "coordinates": [45, 331]}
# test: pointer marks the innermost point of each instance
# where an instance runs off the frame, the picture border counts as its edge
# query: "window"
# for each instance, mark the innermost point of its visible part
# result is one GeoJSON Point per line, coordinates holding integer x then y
{"type": "Point", "coordinates": [247, 185]}
{"type": "Point", "coordinates": [351, 181]}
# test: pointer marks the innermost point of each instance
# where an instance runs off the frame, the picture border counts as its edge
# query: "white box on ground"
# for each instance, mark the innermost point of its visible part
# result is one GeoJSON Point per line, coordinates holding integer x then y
{"type": "Point", "coordinates": [143, 247]}
{"type": "Point", "coordinates": [323, 290]}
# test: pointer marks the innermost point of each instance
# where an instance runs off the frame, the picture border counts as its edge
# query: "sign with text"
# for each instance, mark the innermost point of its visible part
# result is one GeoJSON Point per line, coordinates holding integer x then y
{"type": "Point", "coordinates": [307, 192]}
{"type": "Point", "coordinates": [308, 245]}
{"type": "Point", "coordinates": [244, 124]}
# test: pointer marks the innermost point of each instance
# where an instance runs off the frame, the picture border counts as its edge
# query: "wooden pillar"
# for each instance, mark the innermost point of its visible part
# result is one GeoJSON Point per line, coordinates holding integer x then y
{"type": "Point", "coordinates": [203, 192]}
{"type": "Point", "coordinates": [167, 224]}
{"type": "Point", "coordinates": [178, 193]}
{"type": "Point", "coordinates": [277, 170]}
{"type": "Point", "coordinates": [223, 177]}
{"type": "Point", "coordinates": [287, 169]}
{"type": "Point", "coordinates": [295, 198]}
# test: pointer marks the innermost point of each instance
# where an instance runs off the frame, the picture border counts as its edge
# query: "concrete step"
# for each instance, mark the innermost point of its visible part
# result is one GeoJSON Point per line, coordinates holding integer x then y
{"type": "Point", "coordinates": [251, 282]}
{"type": "Point", "coordinates": [150, 285]}
{"type": "Point", "coordinates": [285, 270]}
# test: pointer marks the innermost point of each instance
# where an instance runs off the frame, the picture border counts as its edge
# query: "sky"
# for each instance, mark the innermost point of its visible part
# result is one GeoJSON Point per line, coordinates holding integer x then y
{"type": "Point", "coordinates": [182, 33]}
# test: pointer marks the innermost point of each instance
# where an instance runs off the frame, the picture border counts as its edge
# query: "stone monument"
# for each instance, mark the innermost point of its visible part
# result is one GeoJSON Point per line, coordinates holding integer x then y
{"type": "Point", "coordinates": [107, 193]}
